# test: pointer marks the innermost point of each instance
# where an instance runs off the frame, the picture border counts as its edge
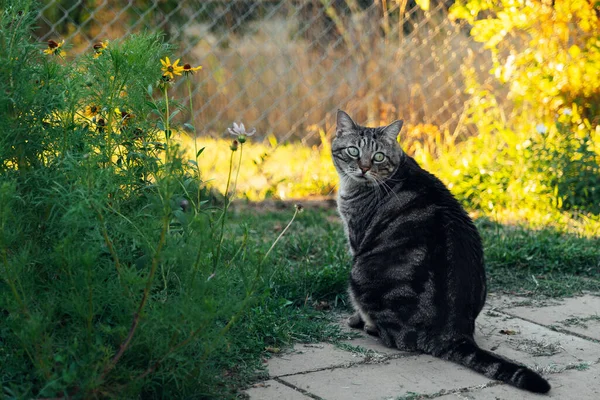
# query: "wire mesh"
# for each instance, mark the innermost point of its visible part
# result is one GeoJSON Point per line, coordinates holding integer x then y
{"type": "Point", "coordinates": [285, 67]}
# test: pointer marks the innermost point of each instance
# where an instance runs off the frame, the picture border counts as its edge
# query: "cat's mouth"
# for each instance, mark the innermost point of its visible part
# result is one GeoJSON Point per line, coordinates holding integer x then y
{"type": "Point", "coordinates": [363, 178]}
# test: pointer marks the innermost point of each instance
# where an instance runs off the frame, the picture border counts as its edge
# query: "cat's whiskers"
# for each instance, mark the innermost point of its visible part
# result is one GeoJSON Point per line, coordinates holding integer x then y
{"type": "Point", "coordinates": [389, 190]}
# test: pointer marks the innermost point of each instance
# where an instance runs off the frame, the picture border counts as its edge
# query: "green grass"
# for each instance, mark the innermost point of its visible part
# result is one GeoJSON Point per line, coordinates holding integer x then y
{"type": "Point", "coordinates": [545, 262]}
{"type": "Point", "coordinates": [313, 261]}
{"type": "Point", "coordinates": [311, 264]}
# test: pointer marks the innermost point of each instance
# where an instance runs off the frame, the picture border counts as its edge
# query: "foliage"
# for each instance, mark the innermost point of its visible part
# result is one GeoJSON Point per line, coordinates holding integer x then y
{"type": "Point", "coordinates": [544, 152]}
{"type": "Point", "coordinates": [118, 278]}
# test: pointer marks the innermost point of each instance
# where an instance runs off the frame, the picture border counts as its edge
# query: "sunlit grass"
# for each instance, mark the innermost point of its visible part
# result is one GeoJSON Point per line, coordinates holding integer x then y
{"type": "Point", "coordinates": [268, 170]}
{"type": "Point", "coordinates": [295, 171]}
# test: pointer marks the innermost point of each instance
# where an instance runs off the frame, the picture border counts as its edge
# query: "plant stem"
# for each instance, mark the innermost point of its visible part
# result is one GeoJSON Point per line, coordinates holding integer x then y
{"type": "Point", "coordinates": [189, 85]}
{"type": "Point", "coordinates": [136, 316]}
{"type": "Point", "coordinates": [167, 133]}
{"type": "Point", "coordinates": [109, 244]}
{"type": "Point", "coordinates": [237, 174]}
{"type": "Point", "coordinates": [280, 235]}
{"type": "Point", "coordinates": [223, 216]}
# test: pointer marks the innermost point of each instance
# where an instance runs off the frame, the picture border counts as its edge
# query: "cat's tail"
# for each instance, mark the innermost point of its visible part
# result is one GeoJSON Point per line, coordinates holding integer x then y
{"type": "Point", "coordinates": [464, 351]}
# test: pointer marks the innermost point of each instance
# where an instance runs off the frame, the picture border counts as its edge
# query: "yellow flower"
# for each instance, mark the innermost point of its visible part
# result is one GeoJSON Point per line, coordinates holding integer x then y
{"type": "Point", "coordinates": [100, 47]}
{"type": "Point", "coordinates": [54, 48]}
{"type": "Point", "coordinates": [170, 70]}
{"type": "Point", "coordinates": [188, 69]}
{"type": "Point", "coordinates": [124, 115]}
{"type": "Point", "coordinates": [91, 111]}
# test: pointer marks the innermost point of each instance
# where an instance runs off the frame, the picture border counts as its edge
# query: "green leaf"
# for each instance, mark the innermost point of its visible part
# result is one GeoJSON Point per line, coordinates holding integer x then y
{"type": "Point", "coordinates": [200, 152]}
{"type": "Point", "coordinates": [189, 127]}
{"type": "Point", "coordinates": [173, 114]}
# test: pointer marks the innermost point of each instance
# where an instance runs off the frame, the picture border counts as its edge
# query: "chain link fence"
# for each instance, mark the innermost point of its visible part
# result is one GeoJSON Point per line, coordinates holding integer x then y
{"type": "Point", "coordinates": [285, 67]}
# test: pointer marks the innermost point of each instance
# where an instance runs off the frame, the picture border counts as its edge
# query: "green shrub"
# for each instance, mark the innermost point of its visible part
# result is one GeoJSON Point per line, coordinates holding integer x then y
{"type": "Point", "coordinates": [116, 278]}
{"type": "Point", "coordinates": [543, 152]}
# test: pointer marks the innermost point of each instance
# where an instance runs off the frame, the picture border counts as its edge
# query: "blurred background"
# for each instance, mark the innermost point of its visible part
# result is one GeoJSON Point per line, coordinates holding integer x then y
{"type": "Point", "coordinates": [500, 99]}
{"type": "Point", "coordinates": [285, 67]}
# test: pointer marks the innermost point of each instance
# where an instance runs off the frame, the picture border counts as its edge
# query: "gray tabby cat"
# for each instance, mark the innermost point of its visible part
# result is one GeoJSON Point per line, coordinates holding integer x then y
{"type": "Point", "coordinates": [418, 278]}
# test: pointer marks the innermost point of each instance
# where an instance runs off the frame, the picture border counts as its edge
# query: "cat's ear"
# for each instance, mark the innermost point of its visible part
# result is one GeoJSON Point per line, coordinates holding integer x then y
{"type": "Point", "coordinates": [393, 130]}
{"type": "Point", "coordinates": [344, 123]}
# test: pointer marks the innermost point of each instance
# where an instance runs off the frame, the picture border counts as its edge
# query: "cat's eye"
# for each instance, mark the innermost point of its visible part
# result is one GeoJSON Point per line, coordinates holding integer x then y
{"type": "Point", "coordinates": [352, 151]}
{"type": "Point", "coordinates": [378, 157]}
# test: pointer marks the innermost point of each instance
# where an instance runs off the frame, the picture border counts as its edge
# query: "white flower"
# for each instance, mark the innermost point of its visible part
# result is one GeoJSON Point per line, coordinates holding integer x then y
{"type": "Point", "coordinates": [541, 128]}
{"type": "Point", "coordinates": [567, 111]}
{"type": "Point", "coordinates": [240, 130]}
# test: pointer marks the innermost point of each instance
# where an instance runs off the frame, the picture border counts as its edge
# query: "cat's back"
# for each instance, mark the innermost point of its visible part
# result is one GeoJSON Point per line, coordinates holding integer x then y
{"type": "Point", "coordinates": [419, 212]}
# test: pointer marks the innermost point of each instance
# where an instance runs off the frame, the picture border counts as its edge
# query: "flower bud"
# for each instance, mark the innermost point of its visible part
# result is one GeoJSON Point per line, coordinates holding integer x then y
{"type": "Point", "coordinates": [184, 204]}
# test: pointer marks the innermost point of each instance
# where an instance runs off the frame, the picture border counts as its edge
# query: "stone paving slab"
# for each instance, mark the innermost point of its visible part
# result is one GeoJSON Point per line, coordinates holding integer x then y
{"type": "Point", "coordinates": [310, 357]}
{"type": "Point", "coordinates": [569, 385]}
{"type": "Point", "coordinates": [569, 362]}
{"type": "Point", "coordinates": [274, 390]}
{"type": "Point", "coordinates": [536, 346]}
{"type": "Point", "coordinates": [580, 315]}
{"type": "Point", "coordinates": [502, 301]}
{"type": "Point", "coordinates": [397, 377]}
{"type": "Point", "coordinates": [374, 344]}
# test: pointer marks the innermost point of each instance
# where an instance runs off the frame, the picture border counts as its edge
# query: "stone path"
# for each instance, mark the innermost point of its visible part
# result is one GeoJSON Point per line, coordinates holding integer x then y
{"type": "Point", "coordinates": [559, 339]}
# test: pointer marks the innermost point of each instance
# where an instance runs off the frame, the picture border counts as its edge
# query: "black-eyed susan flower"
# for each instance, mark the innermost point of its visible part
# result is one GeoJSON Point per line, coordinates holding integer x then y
{"type": "Point", "coordinates": [100, 124]}
{"type": "Point", "coordinates": [91, 111]}
{"type": "Point", "coordinates": [54, 48]}
{"type": "Point", "coordinates": [189, 70]}
{"type": "Point", "coordinates": [123, 115]}
{"type": "Point", "coordinates": [240, 132]}
{"type": "Point", "coordinates": [170, 70]}
{"type": "Point", "coordinates": [100, 47]}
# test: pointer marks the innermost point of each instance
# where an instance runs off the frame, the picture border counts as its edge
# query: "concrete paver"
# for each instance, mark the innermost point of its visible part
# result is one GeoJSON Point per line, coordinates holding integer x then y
{"type": "Point", "coordinates": [569, 385]}
{"type": "Point", "coordinates": [520, 329]}
{"type": "Point", "coordinates": [274, 390]}
{"type": "Point", "coordinates": [415, 374]}
{"type": "Point", "coordinates": [580, 315]}
{"type": "Point", "coordinates": [502, 302]}
{"type": "Point", "coordinates": [374, 344]}
{"type": "Point", "coordinates": [310, 357]}
{"type": "Point", "coordinates": [533, 345]}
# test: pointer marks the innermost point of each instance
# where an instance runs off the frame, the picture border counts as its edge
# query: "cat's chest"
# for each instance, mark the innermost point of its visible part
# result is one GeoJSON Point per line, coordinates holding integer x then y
{"type": "Point", "coordinates": [356, 215]}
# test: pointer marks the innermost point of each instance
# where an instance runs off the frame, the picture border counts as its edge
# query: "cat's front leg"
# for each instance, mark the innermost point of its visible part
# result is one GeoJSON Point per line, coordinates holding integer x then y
{"type": "Point", "coordinates": [356, 321]}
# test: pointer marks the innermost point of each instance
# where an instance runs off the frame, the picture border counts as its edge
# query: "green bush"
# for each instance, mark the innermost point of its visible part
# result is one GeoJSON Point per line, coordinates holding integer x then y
{"type": "Point", "coordinates": [116, 278]}
{"type": "Point", "coordinates": [542, 152]}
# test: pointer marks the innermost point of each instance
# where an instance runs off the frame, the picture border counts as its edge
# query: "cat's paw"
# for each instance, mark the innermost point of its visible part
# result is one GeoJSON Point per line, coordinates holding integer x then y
{"type": "Point", "coordinates": [355, 321]}
{"type": "Point", "coordinates": [371, 330]}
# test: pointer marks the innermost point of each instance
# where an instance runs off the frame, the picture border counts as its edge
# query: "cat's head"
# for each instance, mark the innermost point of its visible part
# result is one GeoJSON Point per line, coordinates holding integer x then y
{"type": "Point", "coordinates": [365, 155]}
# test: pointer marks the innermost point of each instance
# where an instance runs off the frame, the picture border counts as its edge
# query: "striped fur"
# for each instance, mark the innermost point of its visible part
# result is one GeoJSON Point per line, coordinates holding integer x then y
{"type": "Point", "coordinates": [418, 278]}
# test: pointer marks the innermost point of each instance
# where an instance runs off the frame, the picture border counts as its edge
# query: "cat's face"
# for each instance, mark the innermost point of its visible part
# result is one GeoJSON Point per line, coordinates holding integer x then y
{"type": "Point", "coordinates": [365, 155]}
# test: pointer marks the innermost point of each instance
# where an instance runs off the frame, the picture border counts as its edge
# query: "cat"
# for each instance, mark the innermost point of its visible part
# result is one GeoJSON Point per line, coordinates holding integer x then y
{"type": "Point", "coordinates": [417, 278]}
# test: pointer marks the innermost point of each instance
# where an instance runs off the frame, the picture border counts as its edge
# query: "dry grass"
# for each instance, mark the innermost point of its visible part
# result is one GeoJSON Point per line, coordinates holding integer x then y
{"type": "Point", "coordinates": [283, 87]}
{"type": "Point", "coordinates": [291, 70]}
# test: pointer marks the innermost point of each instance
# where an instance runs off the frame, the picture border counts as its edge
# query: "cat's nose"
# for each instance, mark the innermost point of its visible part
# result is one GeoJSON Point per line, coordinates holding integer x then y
{"type": "Point", "coordinates": [364, 168]}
